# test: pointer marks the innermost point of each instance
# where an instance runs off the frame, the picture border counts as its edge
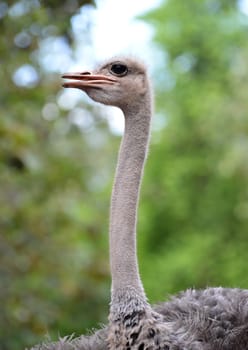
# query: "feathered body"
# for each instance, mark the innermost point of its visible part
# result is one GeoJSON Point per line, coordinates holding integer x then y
{"type": "Point", "coordinates": [209, 319]}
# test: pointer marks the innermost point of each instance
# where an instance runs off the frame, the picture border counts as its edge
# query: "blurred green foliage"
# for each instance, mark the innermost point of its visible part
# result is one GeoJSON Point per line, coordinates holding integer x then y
{"type": "Point", "coordinates": [53, 260]}
{"type": "Point", "coordinates": [56, 172]}
{"type": "Point", "coordinates": [195, 196]}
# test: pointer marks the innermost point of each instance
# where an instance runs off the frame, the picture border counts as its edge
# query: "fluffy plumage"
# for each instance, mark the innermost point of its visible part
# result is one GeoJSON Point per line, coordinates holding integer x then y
{"type": "Point", "coordinates": [210, 319]}
{"type": "Point", "coordinates": [95, 341]}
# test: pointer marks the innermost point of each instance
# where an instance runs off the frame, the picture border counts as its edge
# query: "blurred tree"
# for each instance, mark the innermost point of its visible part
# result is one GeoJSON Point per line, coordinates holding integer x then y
{"type": "Point", "coordinates": [194, 217]}
{"type": "Point", "coordinates": [53, 259]}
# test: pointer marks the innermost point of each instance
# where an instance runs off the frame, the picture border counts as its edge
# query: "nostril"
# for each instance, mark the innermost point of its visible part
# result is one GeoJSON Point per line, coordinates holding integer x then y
{"type": "Point", "coordinates": [85, 73]}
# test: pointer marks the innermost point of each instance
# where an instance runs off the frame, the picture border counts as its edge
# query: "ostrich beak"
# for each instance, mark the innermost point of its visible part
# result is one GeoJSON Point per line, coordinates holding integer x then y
{"type": "Point", "coordinates": [86, 80]}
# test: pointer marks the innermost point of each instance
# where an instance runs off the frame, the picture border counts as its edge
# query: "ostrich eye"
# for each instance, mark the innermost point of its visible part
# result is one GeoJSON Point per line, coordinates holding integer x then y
{"type": "Point", "coordinates": [119, 69]}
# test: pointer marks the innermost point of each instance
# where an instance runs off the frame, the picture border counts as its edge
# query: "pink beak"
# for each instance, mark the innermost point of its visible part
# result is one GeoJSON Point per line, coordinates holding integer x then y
{"type": "Point", "coordinates": [87, 80]}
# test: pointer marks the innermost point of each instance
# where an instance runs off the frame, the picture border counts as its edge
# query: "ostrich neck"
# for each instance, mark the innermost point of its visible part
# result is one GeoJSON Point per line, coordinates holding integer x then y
{"type": "Point", "coordinates": [126, 283]}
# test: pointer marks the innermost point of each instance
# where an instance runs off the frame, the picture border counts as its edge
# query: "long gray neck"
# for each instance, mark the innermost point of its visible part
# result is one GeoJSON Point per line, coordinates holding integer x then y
{"type": "Point", "coordinates": [126, 282]}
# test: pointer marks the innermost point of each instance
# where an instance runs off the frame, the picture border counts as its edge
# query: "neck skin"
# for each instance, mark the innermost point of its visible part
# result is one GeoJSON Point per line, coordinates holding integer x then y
{"type": "Point", "coordinates": [126, 284]}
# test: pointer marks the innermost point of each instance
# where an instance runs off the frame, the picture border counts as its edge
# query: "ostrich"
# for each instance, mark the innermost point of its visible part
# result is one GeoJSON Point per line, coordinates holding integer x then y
{"type": "Point", "coordinates": [209, 319]}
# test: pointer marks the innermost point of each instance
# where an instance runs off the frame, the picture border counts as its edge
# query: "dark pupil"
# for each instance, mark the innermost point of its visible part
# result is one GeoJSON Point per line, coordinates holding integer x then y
{"type": "Point", "coordinates": [119, 68]}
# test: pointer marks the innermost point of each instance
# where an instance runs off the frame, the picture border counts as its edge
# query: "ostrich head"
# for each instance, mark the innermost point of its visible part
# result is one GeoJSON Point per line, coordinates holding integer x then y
{"type": "Point", "coordinates": [119, 82]}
